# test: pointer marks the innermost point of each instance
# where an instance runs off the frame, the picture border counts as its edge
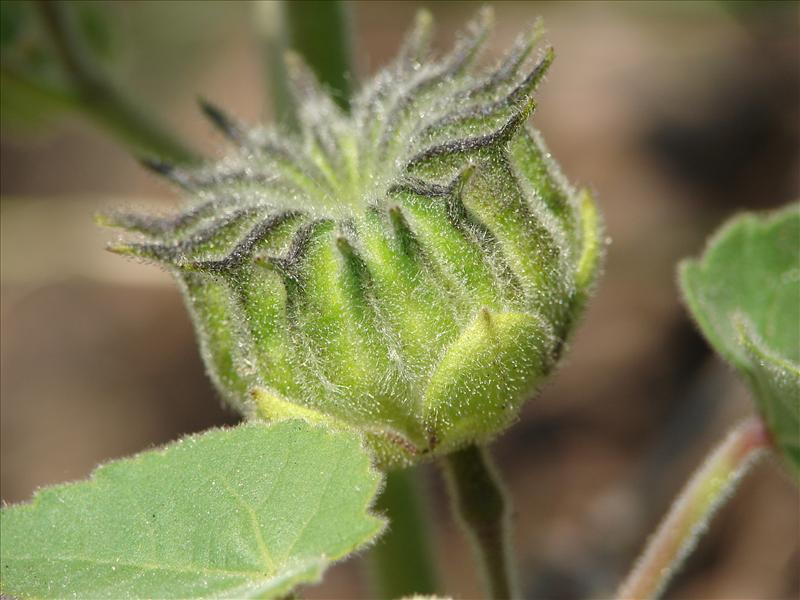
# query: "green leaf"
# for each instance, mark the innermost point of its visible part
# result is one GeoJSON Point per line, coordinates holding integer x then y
{"type": "Point", "coordinates": [13, 14]}
{"type": "Point", "coordinates": [745, 295]}
{"type": "Point", "coordinates": [35, 90]}
{"type": "Point", "coordinates": [29, 103]}
{"type": "Point", "coordinates": [95, 25]}
{"type": "Point", "coordinates": [236, 513]}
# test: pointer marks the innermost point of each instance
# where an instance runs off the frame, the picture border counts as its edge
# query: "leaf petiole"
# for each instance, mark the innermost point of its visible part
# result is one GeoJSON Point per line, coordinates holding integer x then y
{"type": "Point", "coordinates": [694, 508]}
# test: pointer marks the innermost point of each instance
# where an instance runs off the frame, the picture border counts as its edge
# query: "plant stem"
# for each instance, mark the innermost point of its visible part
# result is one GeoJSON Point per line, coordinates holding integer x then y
{"type": "Point", "coordinates": [694, 508]}
{"type": "Point", "coordinates": [321, 32]}
{"type": "Point", "coordinates": [402, 562]}
{"type": "Point", "coordinates": [99, 97]}
{"type": "Point", "coordinates": [480, 503]}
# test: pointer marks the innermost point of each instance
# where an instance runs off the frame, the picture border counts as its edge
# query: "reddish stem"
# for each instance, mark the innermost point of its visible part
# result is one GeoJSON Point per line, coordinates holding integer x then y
{"type": "Point", "coordinates": [694, 508]}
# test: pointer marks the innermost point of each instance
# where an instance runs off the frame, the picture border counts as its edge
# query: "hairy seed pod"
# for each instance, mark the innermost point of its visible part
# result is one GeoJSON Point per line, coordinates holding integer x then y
{"type": "Point", "coordinates": [411, 269]}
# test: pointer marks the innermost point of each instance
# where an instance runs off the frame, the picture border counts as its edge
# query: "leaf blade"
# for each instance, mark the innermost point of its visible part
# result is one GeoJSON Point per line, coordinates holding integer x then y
{"type": "Point", "coordinates": [204, 517]}
{"type": "Point", "coordinates": [744, 293]}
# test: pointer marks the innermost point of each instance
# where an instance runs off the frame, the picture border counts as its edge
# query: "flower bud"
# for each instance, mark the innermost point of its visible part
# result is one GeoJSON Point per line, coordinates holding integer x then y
{"type": "Point", "coordinates": [411, 269]}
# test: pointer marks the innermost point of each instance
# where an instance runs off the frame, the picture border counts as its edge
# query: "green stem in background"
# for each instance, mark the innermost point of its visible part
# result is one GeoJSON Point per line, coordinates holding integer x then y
{"type": "Point", "coordinates": [694, 508]}
{"type": "Point", "coordinates": [480, 503]}
{"type": "Point", "coordinates": [98, 97]}
{"type": "Point", "coordinates": [401, 562]}
{"type": "Point", "coordinates": [321, 32]}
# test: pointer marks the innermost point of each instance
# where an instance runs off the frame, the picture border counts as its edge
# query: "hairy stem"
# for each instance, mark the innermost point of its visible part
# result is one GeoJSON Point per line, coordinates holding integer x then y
{"type": "Point", "coordinates": [96, 94]}
{"type": "Point", "coordinates": [402, 562]}
{"type": "Point", "coordinates": [694, 508]}
{"type": "Point", "coordinates": [480, 503]}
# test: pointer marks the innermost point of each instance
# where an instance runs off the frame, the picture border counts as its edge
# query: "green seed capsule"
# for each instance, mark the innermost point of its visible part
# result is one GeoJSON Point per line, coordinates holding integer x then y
{"type": "Point", "coordinates": [411, 269]}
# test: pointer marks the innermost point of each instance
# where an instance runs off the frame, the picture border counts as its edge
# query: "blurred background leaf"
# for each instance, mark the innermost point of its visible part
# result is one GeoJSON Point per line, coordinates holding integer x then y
{"type": "Point", "coordinates": [56, 56]}
{"type": "Point", "coordinates": [34, 89]}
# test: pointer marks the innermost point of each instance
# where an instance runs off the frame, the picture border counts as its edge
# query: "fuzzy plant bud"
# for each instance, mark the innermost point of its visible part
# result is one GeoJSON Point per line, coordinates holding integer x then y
{"type": "Point", "coordinates": [411, 269]}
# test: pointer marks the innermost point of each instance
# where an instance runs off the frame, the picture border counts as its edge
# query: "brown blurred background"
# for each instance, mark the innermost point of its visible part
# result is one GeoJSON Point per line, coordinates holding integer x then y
{"type": "Point", "coordinates": [676, 114]}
